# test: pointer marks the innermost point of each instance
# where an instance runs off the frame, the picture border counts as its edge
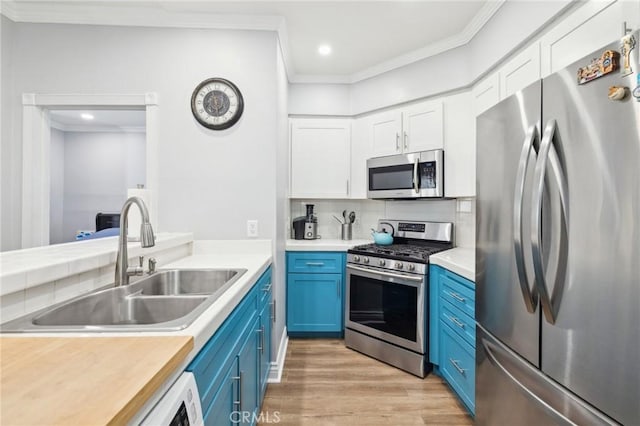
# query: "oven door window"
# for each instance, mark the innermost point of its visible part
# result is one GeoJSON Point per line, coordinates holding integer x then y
{"type": "Point", "coordinates": [387, 307]}
{"type": "Point", "coordinates": [391, 177]}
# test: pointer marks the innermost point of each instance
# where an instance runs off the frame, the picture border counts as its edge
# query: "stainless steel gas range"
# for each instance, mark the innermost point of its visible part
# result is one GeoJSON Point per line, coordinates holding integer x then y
{"type": "Point", "coordinates": [386, 310]}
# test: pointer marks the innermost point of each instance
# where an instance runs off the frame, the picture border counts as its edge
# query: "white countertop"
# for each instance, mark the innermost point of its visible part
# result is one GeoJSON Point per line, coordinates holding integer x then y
{"type": "Point", "coordinates": [324, 244]}
{"type": "Point", "coordinates": [460, 260]}
{"type": "Point", "coordinates": [25, 268]}
{"type": "Point", "coordinates": [253, 255]}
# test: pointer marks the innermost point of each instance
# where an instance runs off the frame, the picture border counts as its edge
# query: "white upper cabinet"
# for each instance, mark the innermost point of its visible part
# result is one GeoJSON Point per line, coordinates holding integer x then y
{"type": "Point", "coordinates": [386, 130]}
{"type": "Point", "coordinates": [422, 127]}
{"type": "Point", "coordinates": [486, 93]}
{"type": "Point", "coordinates": [459, 146]}
{"type": "Point", "coordinates": [320, 158]}
{"type": "Point", "coordinates": [414, 128]}
{"type": "Point", "coordinates": [520, 71]}
{"type": "Point", "coordinates": [360, 151]}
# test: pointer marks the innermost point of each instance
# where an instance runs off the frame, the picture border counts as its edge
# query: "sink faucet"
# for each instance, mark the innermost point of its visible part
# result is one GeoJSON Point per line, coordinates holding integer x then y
{"type": "Point", "coordinates": [147, 239]}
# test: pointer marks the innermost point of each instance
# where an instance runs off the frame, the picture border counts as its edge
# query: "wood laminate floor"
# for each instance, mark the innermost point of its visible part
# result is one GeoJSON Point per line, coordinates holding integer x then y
{"type": "Point", "coordinates": [325, 384]}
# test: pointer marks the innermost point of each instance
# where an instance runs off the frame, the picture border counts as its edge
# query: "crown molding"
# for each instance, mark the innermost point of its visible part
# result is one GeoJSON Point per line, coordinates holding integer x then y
{"type": "Point", "coordinates": [165, 15]}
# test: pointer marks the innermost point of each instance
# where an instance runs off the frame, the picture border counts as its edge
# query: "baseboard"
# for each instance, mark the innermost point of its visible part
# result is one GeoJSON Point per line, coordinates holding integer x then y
{"type": "Point", "coordinates": [275, 372]}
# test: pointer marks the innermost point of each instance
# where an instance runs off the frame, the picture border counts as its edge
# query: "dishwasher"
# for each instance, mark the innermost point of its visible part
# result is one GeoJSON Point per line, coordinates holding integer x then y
{"type": "Point", "coordinates": [180, 405]}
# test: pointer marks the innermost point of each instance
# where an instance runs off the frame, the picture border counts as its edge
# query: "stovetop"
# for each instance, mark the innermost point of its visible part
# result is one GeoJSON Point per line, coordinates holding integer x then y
{"type": "Point", "coordinates": [408, 251]}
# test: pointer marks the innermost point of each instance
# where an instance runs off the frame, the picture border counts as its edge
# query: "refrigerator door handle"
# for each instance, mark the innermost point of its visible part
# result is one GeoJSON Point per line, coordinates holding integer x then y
{"type": "Point", "coordinates": [550, 306]}
{"type": "Point", "coordinates": [529, 294]}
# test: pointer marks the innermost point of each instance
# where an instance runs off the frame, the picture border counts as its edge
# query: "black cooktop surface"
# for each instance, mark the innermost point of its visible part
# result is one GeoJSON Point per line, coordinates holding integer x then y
{"type": "Point", "coordinates": [402, 251]}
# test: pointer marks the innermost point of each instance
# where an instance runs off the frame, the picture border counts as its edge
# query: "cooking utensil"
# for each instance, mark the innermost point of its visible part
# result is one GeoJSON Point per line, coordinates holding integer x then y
{"type": "Point", "coordinates": [352, 217]}
{"type": "Point", "coordinates": [344, 215]}
{"type": "Point", "coordinates": [336, 218]}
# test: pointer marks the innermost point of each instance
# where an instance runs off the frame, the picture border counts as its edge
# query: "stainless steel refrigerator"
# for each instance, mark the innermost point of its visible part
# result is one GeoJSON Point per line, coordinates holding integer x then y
{"type": "Point", "coordinates": [558, 250]}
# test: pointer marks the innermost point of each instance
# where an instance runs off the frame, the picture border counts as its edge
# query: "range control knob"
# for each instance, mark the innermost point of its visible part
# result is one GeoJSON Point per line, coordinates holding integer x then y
{"type": "Point", "coordinates": [365, 260]}
{"type": "Point", "coordinates": [382, 262]}
{"type": "Point", "coordinates": [356, 258]}
{"type": "Point", "coordinates": [399, 265]}
{"type": "Point", "coordinates": [412, 267]}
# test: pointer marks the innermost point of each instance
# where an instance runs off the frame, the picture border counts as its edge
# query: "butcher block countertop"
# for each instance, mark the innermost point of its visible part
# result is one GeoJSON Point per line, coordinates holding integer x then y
{"type": "Point", "coordinates": [83, 381]}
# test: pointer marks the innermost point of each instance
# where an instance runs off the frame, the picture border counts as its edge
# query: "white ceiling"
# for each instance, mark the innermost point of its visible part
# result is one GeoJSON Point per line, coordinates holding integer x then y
{"type": "Point", "coordinates": [69, 120]}
{"type": "Point", "coordinates": [367, 37]}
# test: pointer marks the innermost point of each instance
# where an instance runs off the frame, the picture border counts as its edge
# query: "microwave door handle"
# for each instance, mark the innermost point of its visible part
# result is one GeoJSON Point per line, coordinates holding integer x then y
{"type": "Point", "coordinates": [416, 178]}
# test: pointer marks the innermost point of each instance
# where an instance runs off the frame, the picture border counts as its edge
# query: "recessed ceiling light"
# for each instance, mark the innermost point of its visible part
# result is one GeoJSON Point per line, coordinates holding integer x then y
{"type": "Point", "coordinates": [86, 116]}
{"type": "Point", "coordinates": [324, 49]}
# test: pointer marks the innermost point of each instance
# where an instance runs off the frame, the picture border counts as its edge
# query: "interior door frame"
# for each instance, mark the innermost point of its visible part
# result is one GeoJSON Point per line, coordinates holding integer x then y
{"type": "Point", "coordinates": [36, 145]}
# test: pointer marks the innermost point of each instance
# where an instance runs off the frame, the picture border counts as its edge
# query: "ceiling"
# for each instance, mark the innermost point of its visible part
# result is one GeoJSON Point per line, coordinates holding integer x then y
{"type": "Point", "coordinates": [367, 37]}
{"type": "Point", "coordinates": [70, 120]}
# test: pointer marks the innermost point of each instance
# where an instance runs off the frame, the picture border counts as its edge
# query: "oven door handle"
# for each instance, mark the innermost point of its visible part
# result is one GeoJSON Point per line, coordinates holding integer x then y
{"type": "Point", "coordinates": [416, 279]}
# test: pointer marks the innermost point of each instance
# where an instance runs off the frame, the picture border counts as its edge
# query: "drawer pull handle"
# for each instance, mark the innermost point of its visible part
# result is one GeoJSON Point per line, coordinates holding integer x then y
{"type": "Point", "coordinates": [457, 297]}
{"type": "Point", "coordinates": [315, 263]}
{"type": "Point", "coordinates": [239, 401]}
{"type": "Point", "coordinates": [456, 321]}
{"type": "Point", "coordinates": [455, 364]}
{"type": "Point", "coordinates": [267, 288]}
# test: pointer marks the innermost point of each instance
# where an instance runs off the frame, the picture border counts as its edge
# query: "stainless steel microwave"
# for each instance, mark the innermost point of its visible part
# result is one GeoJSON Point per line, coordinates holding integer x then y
{"type": "Point", "coordinates": [414, 175]}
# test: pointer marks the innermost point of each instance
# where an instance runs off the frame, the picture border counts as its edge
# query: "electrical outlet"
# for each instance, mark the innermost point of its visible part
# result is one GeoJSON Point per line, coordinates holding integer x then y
{"type": "Point", "coordinates": [252, 228]}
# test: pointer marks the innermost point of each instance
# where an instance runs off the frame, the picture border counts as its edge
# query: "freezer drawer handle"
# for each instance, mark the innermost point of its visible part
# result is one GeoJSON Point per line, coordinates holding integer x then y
{"type": "Point", "coordinates": [550, 305]}
{"type": "Point", "coordinates": [530, 142]}
{"type": "Point", "coordinates": [455, 364]}
{"type": "Point", "coordinates": [457, 296]}
{"type": "Point", "coordinates": [456, 321]}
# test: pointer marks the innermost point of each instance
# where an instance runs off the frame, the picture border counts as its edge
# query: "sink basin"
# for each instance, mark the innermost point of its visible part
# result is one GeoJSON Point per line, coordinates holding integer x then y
{"type": "Point", "coordinates": [165, 301]}
{"type": "Point", "coordinates": [187, 281]}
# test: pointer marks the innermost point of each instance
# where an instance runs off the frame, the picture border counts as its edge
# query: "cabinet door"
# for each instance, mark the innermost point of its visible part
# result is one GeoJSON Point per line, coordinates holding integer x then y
{"type": "Point", "coordinates": [222, 410]}
{"type": "Point", "coordinates": [265, 346]}
{"type": "Point", "coordinates": [320, 158]}
{"type": "Point", "coordinates": [520, 71]}
{"type": "Point", "coordinates": [486, 93]}
{"type": "Point", "coordinates": [314, 302]}
{"type": "Point", "coordinates": [459, 146]}
{"type": "Point", "coordinates": [360, 151]}
{"type": "Point", "coordinates": [422, 127]}
{"type": "Point", "coordinates": [248, 365]}
{"type": "Point", "coordinates": [386, 132]}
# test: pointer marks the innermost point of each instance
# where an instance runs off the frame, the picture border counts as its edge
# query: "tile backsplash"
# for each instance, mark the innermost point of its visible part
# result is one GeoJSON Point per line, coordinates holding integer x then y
{"type": "Point", "coordinates": [461, 212]}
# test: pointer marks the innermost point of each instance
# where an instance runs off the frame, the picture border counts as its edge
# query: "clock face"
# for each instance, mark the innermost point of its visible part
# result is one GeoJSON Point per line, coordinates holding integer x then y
{"type": "Point", "coordinates": [217, 103]}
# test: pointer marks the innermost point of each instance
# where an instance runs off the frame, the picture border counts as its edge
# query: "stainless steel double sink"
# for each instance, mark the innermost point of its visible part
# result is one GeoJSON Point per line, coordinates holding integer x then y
{"type": "Point", "coordinates": [167, 300]}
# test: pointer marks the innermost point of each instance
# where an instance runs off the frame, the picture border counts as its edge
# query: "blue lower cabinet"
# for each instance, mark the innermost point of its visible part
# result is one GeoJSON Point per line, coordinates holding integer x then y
{"type": "Point", "coordinates": [232, 367]}
{"type": "Point", "coordinates": [315, 289]}
{"type": "Point", "coordinates": [249, 377]}
{"type": "Point", "coordinates": [266, 318]}
{"type": "Point", "coordinates": [452, 331]}
{"type": "Point", "coordinates": [314, 302]}
{"type": "Point", "coordinates": [223, 408]}
{"type": "Point", "coordinates": [458, 365]}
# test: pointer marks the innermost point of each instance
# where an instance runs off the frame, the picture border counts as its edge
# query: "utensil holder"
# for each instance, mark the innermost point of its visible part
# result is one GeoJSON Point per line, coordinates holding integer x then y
{"type": "Point", "coordinates": [347, 231]}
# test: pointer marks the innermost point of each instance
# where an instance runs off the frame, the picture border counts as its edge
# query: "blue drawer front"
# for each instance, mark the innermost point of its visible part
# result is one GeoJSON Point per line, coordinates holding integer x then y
{"type": "Point", "coordinates": [460, 322]}
{"type": "Point", "coordinates": [315, 262]}
{"type": "Point", "coordinates": [220, 351]}
{"type": "Point", "coordinates": [458, 291]}
{"type": "Point", "coordinates": [458, 365]}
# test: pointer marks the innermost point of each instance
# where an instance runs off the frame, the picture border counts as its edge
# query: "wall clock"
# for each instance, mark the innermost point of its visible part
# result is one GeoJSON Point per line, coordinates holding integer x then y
{"type": "Point", "coordinates": [217, 103]}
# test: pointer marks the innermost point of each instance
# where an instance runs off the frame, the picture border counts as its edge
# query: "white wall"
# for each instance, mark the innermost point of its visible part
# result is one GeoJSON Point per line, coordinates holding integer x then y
{"type": "Point", "coordinates": [98, 170]}
{"type": "Point", "coordinates": [10, 152]}
{"type": "Point", "coordinates": [282, 201]}
{"type": "Point", "coordinates": [56, 194]}
{"type": "Point", "coordinates": [209, 182]}
{"type": "Point", "coordinates": [320, 99]}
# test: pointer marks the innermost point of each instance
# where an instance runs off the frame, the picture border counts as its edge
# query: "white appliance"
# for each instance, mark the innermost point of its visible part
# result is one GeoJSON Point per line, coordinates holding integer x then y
{"type": "Point", "coordinates": [180, 405]}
